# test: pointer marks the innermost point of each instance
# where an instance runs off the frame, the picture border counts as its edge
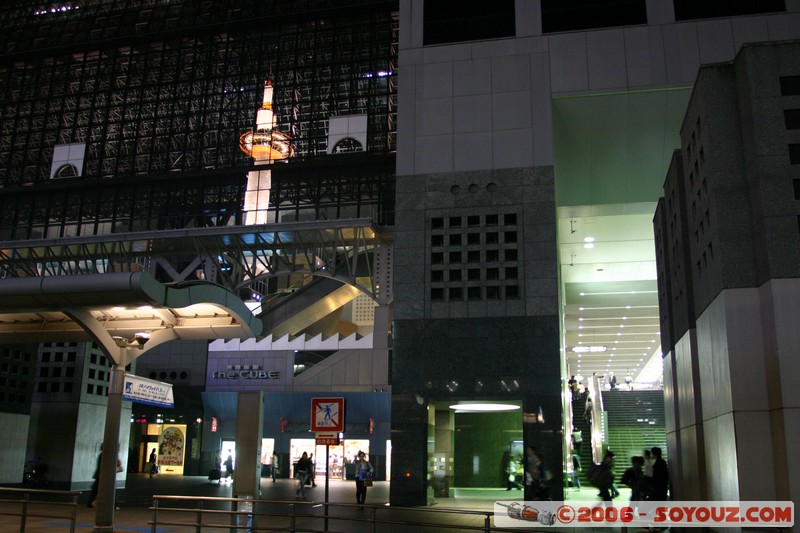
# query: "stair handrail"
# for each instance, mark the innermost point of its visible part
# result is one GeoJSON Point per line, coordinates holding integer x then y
{"type": "Point", "coordinates": [598, 437]}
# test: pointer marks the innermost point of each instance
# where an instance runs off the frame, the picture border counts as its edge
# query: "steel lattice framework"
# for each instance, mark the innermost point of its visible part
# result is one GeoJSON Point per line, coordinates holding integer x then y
{"type": "Point", "coordinates": [237, 257]}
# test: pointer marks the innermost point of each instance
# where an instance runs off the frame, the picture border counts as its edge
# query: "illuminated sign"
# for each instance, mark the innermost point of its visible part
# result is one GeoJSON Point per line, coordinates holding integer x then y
{"type": "Point", "coordinates": [327, 415]}
{"type": "Point", "coordinates": [143, 390]}
{"type": "Point", "coordinates": [245, 372]}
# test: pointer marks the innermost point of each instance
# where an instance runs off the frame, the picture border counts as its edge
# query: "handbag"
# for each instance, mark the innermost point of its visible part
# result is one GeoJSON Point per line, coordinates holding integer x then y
{"type": "Point", "coordinates": [368, 482]}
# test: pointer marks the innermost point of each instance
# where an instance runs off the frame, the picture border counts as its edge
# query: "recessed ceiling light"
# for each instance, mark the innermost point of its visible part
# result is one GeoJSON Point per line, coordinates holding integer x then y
{"type": "Point", "coordinates": [483, 407]}
{"type": "Point", "coordinates": [589, 245]}
{"type": "Point", "coordinates": [588, 239]}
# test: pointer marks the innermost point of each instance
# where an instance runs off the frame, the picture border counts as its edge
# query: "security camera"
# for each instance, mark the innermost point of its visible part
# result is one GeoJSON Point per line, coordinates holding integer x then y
{"type": "Point", "coordinates": [141, 338]}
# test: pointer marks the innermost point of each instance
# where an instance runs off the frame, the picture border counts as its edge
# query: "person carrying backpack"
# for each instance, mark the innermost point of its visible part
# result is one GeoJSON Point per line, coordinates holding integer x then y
{"type": "Point", "coordinates": [602, 476]}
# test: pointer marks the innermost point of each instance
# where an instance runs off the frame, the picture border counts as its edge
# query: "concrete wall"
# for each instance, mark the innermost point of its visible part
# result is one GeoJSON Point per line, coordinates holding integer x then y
{"type": "Point", "coordinates": [15, 440]}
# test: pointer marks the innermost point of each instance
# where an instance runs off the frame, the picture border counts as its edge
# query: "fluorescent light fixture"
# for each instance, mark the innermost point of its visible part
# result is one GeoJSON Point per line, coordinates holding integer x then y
{"type": "Point", "coordinates": [593, 349]}
{"type": "Point", "coordinates": [482, 407]}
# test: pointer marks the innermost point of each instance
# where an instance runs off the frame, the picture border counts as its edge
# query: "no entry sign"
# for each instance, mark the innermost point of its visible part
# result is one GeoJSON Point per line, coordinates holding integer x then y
{"type": "Point", "coordinates": [327, 415]}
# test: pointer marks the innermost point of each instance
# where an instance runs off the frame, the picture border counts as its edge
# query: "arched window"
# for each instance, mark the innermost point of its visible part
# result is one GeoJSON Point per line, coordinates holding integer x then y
{"type": "Point", "coordinates": [66, 171]}
{"type": "Point", "coordinates": [346, 145]}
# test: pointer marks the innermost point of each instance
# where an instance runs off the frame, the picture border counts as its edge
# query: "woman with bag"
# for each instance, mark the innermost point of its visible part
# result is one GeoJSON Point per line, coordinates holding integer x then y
{"type": "Point", "coordinates": [153, 463]}
{"type": "Point", "coordinates": [363, 477]}
{"type": "Point", "coordinates": [301, 472]}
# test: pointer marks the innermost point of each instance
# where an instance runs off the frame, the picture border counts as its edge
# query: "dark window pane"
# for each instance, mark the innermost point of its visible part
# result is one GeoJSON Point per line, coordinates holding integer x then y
{"type": "Point", "coordinates": [455, 257]}
{"type": "Point", "coordinates": [437, 275]}
{"type": "Point", "coordinates": [437, 240]}
{"type": "Point", "coordinates": [510, 255]}
{"type": "Point", "coordinates": [437, 223]}
{"type": "Point", "coordinates": [452, 21]}
{"type": "Point", "coordinates": [790, 85]}
{"type": "Point", "coordinates": [510, 219]}
{"type": "Point", "coordinates": [455, 222]}
{"type": "Point", "coordinates": [510, 237]}
{"type": "Point", "coordinates": [492, 256]}
{"type": "Point", "coordinates": [455, 275]}
{"type": "Point", "coordinates": [474, 274]}
{"type": "Point", "coordinates": [455, 294]}
{"type": "Point", "coordinates": [474, 257]}
{"type": "Point", "coordinates": [794, 154]}
{"type": "Point", "coordinates": [437, 258]}
{"type": "Point", "coordinates": [792, 118]}
{"type": "Point", "coordinates": [704, 9]}
{"type": "Point", "coordinates": [473, 220]}
{"type": "Point", "coordinates": [492, 293]}
{"type": "Point", "coordinates": [797, 189]}
{"type": "Point", "coordinates": [473, 293]}
{"type": "Point", "coordinates": [437, 294]}
{"type": "Point", "coordinates": [571, 15]}
{"type": "Point", "coordinates": [455, 239]}
{"type": "Point", "coordinates": [473, 238]}
{"type": "Point", "coordinates": [512, 291]}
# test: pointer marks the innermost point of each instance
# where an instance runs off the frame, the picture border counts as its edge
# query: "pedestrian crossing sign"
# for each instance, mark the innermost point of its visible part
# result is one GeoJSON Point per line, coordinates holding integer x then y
{"type": "Point", "coordinates": [327, 415]}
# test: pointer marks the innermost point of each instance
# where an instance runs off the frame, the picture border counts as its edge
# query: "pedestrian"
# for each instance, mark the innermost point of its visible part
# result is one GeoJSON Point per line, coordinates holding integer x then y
{"type": "Point", "coordinates": [648, 463]}
{"type": "Point", "coordinates": [301, 470]}
{"type": "Point", "coordinates": [577, 440]}
{"type": "Point", "coordinates": [313, 472]}
{"type": "Point", "coordinates": [602, 476]}
{"type": "Point", "coordinates": [572, 384]}
{"type": "Point", "coordinates": [216, 472]}
{"type": "Point", "coordinates": [153, 463]}
{"type": "Point", "coordinates": [660, 475]}
{"type": "Point", "coordinates": [274, 468]}
{"type": "Point", "coordinates": [92, 502]}
{"type": "Point", "coordinates": [229, 467]}
{"type": "Point", "coordinates": [531, 473]}
{"type": "Point", "coordinates": [576, 467]}
{"type": "Point", "coordinates": [541, 477]}
{"type": "Point", "coordinates": [363, 473]}
{"type": "Point", "coordinates": [633, 477]}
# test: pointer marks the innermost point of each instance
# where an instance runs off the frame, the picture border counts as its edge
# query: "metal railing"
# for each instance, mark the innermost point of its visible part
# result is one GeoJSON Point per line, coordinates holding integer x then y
{"type": "Point", "coordinates": [248, 515]}
{"type": "Point", "coordinates": [38, 503]}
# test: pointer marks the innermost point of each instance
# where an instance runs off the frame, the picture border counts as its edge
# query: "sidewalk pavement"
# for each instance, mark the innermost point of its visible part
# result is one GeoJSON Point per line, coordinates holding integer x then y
{"type": "Point", "coordinates": [137, 496]}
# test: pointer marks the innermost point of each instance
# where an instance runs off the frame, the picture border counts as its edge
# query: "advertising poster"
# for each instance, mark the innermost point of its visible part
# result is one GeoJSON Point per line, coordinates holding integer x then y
{"type": "Point", "coordinates": [172, 448]}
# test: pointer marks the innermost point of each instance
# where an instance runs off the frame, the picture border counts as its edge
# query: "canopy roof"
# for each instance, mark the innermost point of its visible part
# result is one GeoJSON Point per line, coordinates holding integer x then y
{"type": "Point", "coordinates": [128, 313]}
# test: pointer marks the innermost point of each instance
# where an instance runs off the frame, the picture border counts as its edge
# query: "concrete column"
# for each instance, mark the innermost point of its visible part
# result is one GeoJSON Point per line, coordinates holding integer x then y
{"type": "Point", "coordinates": [107, 477]}
{"type": "Point", "coordinates": [249, 423]}
{"type": "Point", "coordinates": [382, 322]}
{"type": "Point", "coordinates": [443, 452]}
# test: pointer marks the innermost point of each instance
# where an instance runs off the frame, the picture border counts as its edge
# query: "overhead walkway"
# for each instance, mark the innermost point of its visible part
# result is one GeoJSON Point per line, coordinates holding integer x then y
{"type": "Point", "coordinates": [236, 257]}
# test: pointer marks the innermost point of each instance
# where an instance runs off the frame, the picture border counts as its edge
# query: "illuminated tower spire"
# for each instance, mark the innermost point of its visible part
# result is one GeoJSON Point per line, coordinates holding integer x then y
{"type": "Point", "coordinates": [266, 144]}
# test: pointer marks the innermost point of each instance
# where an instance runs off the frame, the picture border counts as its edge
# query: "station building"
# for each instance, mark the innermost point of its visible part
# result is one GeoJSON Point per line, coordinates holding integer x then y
{"type": "Point", "coordinates": [434, 207]}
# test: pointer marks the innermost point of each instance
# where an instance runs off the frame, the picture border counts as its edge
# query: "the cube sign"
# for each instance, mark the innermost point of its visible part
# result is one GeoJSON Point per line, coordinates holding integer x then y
{"type": "Point", "coordinates": [327, 415]}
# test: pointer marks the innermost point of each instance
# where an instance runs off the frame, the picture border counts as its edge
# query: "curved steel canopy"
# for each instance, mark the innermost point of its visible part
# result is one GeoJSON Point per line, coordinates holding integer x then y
{"type": "Point", "coordinates": [127, 312]}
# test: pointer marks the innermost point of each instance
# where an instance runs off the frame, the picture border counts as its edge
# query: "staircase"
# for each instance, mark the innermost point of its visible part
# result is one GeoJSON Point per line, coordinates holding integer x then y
{"type": "Point", "coordinates": [579, 422]}
{"type": "Point", "coordinates": [635, 421]}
